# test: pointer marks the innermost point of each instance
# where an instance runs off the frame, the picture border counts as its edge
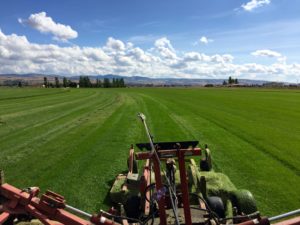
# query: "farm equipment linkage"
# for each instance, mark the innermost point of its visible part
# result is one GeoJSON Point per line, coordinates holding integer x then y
{"type": "Point", "coordinates": [159, 194]}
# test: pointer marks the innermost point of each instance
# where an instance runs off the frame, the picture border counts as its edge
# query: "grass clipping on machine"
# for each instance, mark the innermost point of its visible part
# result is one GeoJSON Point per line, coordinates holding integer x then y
{"type": "Point", "coordinates": [218, 184]}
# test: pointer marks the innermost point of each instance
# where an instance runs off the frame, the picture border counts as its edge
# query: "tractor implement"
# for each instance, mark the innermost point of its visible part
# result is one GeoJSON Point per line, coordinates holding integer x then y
{"type": "Point", "coordinates": [176, 185]}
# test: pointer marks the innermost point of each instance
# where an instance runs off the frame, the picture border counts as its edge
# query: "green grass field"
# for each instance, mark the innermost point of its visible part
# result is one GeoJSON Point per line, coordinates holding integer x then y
{"type": "Point", "coordinates": [76, 141]}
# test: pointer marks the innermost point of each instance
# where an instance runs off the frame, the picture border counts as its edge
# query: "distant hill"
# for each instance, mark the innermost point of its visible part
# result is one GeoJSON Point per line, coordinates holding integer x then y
{"type": "Point", "coordinates": [33, 78]}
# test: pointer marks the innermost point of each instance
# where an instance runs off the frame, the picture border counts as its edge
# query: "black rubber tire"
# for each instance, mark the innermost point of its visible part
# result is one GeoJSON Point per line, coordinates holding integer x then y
{"type": "Point", "coordinates": [132, 207]}
{"type": "Point", "coordinates": [206, 164]}
{"type": "Point", "coordinates": [216, 205]}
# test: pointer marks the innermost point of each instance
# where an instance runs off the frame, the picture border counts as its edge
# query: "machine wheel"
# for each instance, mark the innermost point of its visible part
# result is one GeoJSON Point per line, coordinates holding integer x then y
{"type": "Point", "coordinates": [132, 207]}
{"type": "Point", "coordinates": [244, 201]}
{"type": "Point", "coordinates": [206, 163]}
{"type": "Point", "coordinates": [216, 205]}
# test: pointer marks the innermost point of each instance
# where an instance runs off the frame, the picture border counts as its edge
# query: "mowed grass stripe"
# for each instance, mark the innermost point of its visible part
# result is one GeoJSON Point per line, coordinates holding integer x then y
{"type": "Point", "coordinates": [23, 149]}
{"type": "Point", "coordinates": [28, 113]}
{"type": "Point", "coordinates": [167, 127]}
{"type": "Point", "coordinates": [51, 127]}
{"type": "Point", "coordinates": [56, 145]}
{"type": "Point", "coordinates": [228, 121]}
{"type": "Point", "coordinates": [36, 123]}
{"type": "Point", "coordinates": [20, 124]}
{"type": "Point", "coordinates": [11, 108]}
{"type": "Point", "coordinates": [15, 93]}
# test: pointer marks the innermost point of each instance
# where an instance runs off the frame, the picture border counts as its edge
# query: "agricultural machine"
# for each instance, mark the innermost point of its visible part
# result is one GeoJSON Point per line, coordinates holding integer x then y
{"type": "Point", "coordinates": [169, 188]}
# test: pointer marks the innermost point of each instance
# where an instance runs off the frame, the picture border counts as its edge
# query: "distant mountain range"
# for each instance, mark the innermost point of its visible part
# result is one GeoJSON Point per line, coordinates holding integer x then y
{"type": "Point", "coordinates": [134, 80]}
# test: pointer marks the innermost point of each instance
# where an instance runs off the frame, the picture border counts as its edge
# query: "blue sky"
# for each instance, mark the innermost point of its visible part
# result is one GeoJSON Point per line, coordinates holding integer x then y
{"type": "Point", "coordinates": [170, 38]}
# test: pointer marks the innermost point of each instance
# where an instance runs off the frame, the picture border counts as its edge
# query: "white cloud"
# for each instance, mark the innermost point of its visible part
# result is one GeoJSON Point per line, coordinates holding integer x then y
{"type": "Point", "coordinates": [205, 40]}
{"type": "Point", "coordinates": [164, 42]}
{"type": "Point", "coordinates": [96, 54]}
{"type": "Point", "coordinates": [227, 58]}
{"type": "Point", "coordinates": [266, 52]}
{"type": "Point", "coordinates": [164, 47]}
{"type": "Point", "coordinates": [115, 45]}
{"type": "Point", "coordinates": [139, 55]}
{"type": "Point", "coordinates": [270, 54]}
{"type": "Point", "coordinates": [200, 57]}
{"type": "Point", "coordinates": [253, 4]}
{"type": "Point", "coordinates": [19, 55]}
{"type": "Point", "coordinates": [192, 57]}
{"type": "Point", "coordinates": [45, 24]}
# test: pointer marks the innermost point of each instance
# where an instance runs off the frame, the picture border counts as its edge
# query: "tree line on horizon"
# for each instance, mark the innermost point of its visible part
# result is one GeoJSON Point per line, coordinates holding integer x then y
{"type": "Point", "coordinates": [230, 81]}
{"type": "Point", "coordinates": [85, 82]}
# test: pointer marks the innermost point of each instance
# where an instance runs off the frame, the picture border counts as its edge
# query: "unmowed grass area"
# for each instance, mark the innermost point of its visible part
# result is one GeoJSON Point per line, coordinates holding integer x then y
{"type": "Point", "coordinates": [75, 141]}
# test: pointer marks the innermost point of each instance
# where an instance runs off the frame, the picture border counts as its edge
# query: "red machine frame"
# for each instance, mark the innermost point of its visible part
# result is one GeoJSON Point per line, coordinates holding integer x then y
{"type": "Point", "coordinates": [180, 154]}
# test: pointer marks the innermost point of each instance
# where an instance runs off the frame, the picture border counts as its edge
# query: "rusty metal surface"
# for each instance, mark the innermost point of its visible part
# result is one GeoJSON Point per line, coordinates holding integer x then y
{"type": "Point", "coordinates": [196, 215]}
{"type": "Point", "coordinates": [47, 209]}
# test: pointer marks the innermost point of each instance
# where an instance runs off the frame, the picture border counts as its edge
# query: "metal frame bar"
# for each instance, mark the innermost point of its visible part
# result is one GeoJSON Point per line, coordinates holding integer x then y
{"type": "Point", "coordinates": [184, 189]}
{"type": "Point", "coordinates": [180, 154]}
{"type": "Point", "coordinates": [278, 217]}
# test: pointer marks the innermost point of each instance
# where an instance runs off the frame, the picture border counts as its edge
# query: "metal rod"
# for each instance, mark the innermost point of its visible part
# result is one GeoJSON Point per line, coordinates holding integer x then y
{"type": "Point", "coordinates": [291, 213]}
{"type": "Point", "coordinates": [143, 118]}
{"type": "Point", "coordinates": [173, 196]}
{"type": "Point", "coordinates": [73, 209]}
